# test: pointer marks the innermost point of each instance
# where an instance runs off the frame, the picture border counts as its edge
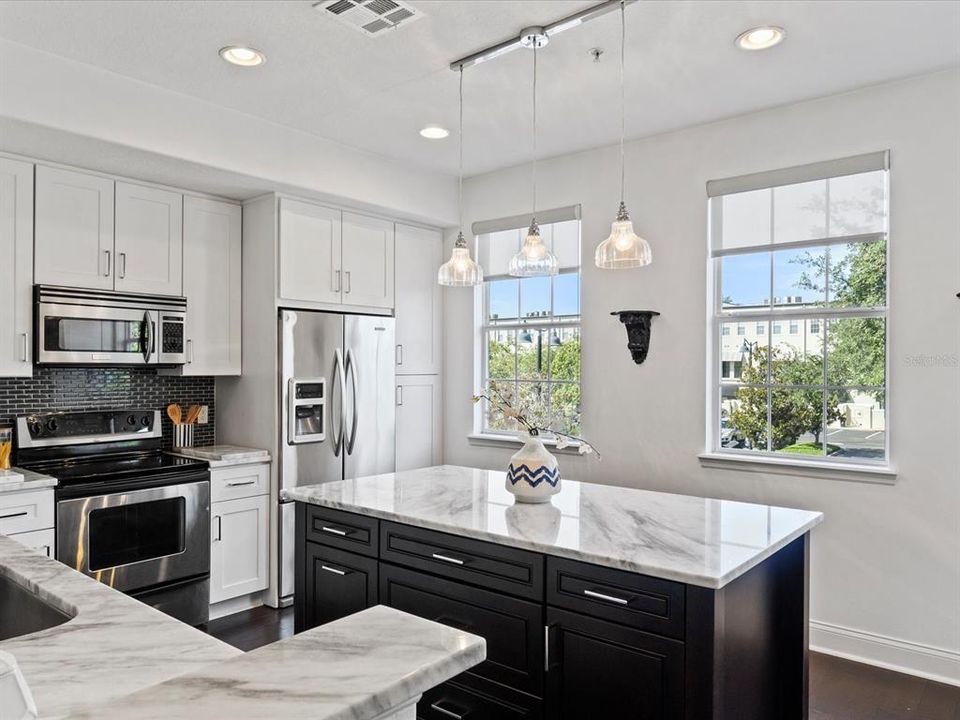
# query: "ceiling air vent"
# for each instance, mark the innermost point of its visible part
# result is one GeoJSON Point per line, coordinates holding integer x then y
{"type": "Point", "coordinates": [371, 17]}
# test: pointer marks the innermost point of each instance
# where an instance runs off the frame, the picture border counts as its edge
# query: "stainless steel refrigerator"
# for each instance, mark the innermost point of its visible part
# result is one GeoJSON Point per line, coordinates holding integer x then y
{"type": "Point", "coordinates": [337, 413]}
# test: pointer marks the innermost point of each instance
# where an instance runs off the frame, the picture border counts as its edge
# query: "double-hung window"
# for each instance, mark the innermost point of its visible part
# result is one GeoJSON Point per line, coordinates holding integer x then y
{"type": "Point", "coordinates": [529, 328]}
{"type": "Point", "coordinates": [799, 255]}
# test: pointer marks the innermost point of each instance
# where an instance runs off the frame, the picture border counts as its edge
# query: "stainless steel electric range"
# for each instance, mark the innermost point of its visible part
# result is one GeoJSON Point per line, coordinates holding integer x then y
{"type": "Point", "coordinates": [128, 514]}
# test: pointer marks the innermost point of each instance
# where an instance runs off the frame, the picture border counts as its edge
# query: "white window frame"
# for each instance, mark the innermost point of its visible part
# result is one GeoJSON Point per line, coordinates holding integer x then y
{"type": "Point", "coordinates": [732, 458]}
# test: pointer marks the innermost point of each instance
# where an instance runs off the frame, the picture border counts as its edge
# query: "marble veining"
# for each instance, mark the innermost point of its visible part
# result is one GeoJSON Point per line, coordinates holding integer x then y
{"type": "Point", "coordinates": [700, 541]}
{"type": "Point", "coordinates": [31, 481]}
{"type": "Point", "coordinates": [113, 645]}
{"type": "Point", "coordinates": [356, 668]}
{"type": "Point", "coordinates": [225, 455]}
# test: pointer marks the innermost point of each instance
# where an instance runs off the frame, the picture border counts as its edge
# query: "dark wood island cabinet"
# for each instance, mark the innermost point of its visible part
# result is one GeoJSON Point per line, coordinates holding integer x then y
{"type": "Point", "coordinates": [567, 638]}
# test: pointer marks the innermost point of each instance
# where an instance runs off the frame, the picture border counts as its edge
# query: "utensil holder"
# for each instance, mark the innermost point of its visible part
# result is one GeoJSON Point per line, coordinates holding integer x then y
{"type": "Point", "coordinates": [183, 436]}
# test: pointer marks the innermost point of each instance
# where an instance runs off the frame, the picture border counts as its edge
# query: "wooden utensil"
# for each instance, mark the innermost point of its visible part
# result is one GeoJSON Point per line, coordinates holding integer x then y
{"type": "Point", "coordinates": [174, 413]}
{"type": "Point", "coordinates": [193, 414]}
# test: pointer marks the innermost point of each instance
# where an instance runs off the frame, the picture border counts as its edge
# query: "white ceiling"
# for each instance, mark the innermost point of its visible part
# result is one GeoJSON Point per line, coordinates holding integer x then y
{"type": "Point", "coordinates": [376, 93]}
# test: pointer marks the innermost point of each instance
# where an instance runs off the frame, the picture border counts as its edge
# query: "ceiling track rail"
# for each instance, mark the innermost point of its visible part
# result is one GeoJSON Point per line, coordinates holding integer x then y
{"type": "Point", "coordinates": [554, 28]}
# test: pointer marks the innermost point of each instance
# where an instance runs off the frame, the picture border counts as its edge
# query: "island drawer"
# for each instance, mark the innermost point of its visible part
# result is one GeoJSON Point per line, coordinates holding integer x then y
{"type": "Point", "coordinates": [343, 530]}
{"type": "Point", "coordinates": [640, 601]}
{"type": "Point", "coordinates": [472, 698]}
{"type": "Point", "coordinates": [491, 566]}
{"type": "Point", "coordinates": [337, 584]}
{"type": "Point", "coordinates": [513, 628]}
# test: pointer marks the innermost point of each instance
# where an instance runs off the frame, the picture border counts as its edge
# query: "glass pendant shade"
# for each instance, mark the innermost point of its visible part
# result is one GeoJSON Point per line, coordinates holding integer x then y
{"type": "Point", "coordinates": [534, 258]}
{"type": "Point", "coordinates": [460, 270]}
{"type": "Point", "coordinates": [623, 249]}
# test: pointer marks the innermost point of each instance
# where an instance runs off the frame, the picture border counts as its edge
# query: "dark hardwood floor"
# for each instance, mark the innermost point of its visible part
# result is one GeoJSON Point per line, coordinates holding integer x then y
{"type": "Point", "coordinates": [839, 689]}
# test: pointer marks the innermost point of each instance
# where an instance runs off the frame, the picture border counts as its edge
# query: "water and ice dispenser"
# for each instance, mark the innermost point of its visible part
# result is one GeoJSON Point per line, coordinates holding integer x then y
{"type": "Point", "coordinates": [306, 399]}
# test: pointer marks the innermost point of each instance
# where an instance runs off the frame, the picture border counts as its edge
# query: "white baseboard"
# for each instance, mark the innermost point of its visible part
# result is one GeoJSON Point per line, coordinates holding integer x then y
{"type": "Point", "coordinates": [235, 605]}
{"type": "Point", "coordinates": [923, 661]}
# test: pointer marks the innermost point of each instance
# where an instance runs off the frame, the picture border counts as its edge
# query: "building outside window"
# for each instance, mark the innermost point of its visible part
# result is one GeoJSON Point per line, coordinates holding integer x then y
{"type": "Point", "coordinates": [529, 336]}
{"type": "Point", "coordinates": [741, 329]}
{"type": "Point", "coordinates": [806, 246]}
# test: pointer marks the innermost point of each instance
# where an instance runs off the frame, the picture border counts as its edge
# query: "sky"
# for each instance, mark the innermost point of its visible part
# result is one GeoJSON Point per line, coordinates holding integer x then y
{"type": "Point", "coordinates": [533, 295]}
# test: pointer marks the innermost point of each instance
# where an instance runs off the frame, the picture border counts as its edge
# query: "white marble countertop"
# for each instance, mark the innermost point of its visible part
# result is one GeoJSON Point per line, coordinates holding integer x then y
{"type": "Point", "coordinates": [31, 481]}
{"type": "Point", "coordinates": [356, 668]}
{"type": "Point", "coordinates": [694, 540]}
{"type": "Point", "coordinates": [113, 646]}
{"type": "Point", "coordinates": [224, 455]}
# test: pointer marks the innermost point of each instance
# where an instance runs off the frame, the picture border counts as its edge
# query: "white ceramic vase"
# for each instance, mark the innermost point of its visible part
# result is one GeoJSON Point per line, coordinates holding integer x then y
{"type": "Point", "coordinates": [533, 475]}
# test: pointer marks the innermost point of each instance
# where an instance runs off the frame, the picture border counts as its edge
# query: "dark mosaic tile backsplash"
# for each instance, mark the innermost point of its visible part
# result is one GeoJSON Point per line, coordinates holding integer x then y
{"type": "Point", "coordinates": [52, 389]}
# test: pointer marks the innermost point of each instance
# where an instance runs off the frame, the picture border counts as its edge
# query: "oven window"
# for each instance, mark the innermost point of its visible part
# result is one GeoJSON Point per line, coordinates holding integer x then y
{"type": "Point", "coordinates": [67, 334]}
{"type": "Point", "coordinates": [141, 531]}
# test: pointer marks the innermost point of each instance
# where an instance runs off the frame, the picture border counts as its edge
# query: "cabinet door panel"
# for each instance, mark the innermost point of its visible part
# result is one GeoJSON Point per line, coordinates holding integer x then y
{"type": "Point", "coordinates": [74, 229]}
{"type": "Point", "coordinates": [418, 421]}
{"type": "Point", "coordinates": [473, 698]}
{"type": "Point", "coordinates": [600, 669]}
{"type": "Point", "coordinates": [310, 268]}
{"type": "Point", "coordinates": [149, 240]}
{"type": "Point", "coordinates": [337, 584]}
{"type": "Point", "coordinates": [16, 269]}
{"type": "Point", "coordinates": [368, 261]}
{"type": "Point", "coordinates": [211, 284]}
{"type": "Point", "coordinates": [418, 256]}
{"type": "Point", "coordinates": [239, 547]}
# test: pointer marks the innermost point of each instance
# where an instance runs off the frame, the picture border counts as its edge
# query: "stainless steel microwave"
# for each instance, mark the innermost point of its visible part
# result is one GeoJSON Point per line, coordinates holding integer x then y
{"type": "Point", "coordinates": [73, 326]}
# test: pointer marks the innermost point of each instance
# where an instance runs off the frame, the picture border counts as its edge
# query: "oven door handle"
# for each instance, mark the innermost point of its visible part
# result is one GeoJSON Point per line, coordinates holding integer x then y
{"type": "Point", "coordinates": [148, 334]}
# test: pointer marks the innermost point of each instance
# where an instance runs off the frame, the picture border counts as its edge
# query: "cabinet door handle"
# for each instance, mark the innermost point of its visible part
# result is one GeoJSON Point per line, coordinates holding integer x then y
{"type": "Point", "coordinates": [443, 711]}
{"type": "Point", "coordinates": [123, 265]}
{"type": "Point", "coordinates": [349, 282]}
{"type": "Point", "coordinates": [447, 558]}
{"type": "Point", "coordinates": [25, 342]}
{"type": "Point", "coordinates": [399, 394]}
{"type": "Point", "coordinates": [46, 549]}
{"type": "Point", "coordinates": [337, 288]}
{"type": "Point", "coordinates": [329, 569]}
{"type": "Point", "coordinates": [106, 273]}
{"type": "Point", "coordinates": [219, 535]}
{"type": "Point", "coordinates": [189, 350]}
{"type": "Point", "coordinates": [399, 354]}
{"type": "Point", "coordinates": [546, 648]}
{"type": "Point", "coordinates": [241, 484]}
{"type": "Point", "coordinates": [13, 515]}
{"type": "Point", "coordinates": [608, 598]}
{"type": "Point", "coordinates": [335, 531]}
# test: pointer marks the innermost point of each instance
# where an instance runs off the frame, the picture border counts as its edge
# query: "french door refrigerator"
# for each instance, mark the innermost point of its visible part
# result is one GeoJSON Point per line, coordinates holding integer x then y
{"type": "Point", "coordinates": [337, 413]}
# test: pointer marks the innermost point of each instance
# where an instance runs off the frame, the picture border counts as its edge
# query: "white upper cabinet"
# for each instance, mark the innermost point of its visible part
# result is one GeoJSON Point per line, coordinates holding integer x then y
{"type": "Point", "coordinates": [310, 268]}
{"type": "Point", "coordinates": [74, 229]}
{"type": "Point", "coordinates": [16, 268]}
{"type": "Point", "coordinates": [211, 283]}
{"type": "Point", "coordinates": [368, 248]}
{"type": "Point", "coordinates": [419, 254]}
{"type": "Point", "coordinates": [149, 240]}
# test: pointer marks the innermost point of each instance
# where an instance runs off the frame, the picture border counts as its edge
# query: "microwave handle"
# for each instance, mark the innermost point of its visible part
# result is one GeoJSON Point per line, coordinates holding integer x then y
{"type": "Point", "coordinates": [148, 332]}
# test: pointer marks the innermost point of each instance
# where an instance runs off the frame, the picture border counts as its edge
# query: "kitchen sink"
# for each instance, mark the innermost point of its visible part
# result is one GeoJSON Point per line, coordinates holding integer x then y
{"type": "Point", "coordinates": [22, 612]}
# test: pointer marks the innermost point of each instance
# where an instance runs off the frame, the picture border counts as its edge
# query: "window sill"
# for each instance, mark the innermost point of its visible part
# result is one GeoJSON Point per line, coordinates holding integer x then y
{"type": "Point", "coordinates": [513, 442]}
{"type": "Point", "coordinates": [879, 474]}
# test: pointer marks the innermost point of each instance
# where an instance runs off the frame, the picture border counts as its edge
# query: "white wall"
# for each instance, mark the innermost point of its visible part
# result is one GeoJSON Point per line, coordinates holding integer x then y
{"type": "Point", "coordinates": [51, 92]}
{"type": "Point", "coordinates": [886, 563]}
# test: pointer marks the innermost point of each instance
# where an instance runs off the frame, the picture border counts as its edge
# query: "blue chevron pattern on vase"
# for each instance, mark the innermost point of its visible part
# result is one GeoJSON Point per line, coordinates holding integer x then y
{"type": "Point", "coordinates": [517, 473]}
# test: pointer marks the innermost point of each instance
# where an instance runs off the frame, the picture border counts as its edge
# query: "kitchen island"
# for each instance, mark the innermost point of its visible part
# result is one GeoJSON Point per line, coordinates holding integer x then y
{"type": "Point", "coordinates": [609, 601]}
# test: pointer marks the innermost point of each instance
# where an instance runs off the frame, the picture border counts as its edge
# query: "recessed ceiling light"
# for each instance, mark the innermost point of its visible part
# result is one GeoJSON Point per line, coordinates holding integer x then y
{"type": "Point", "coordinates": [761, 38]}
{"type": "Point", "coordinates": [434, 132]}
{"type": "Point", "coordinates": [242, 55]}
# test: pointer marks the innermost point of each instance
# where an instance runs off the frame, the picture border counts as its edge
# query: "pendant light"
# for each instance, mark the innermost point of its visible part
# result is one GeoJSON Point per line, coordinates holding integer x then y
{"type": "Point", "coordinates": [623, 249]}
{"type": "Point", "coordinates": [460, 270]}
{"type": "Point", "coordinates": [534, 258]}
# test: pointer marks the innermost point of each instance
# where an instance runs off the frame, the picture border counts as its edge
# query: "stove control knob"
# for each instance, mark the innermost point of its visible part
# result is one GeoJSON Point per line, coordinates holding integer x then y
{"type": "Point", "coordinates": [34, 427]}
{"type": "Point", "coordinates": [131, 419]}
{"type": "Point", "coordinates": [145, 421]}
{"type": "Point", "coordinates": [52, 425]}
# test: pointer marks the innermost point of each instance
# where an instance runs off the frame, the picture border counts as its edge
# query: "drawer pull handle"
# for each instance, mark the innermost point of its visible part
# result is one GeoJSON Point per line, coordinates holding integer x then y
{"type": "Point", "coordinates": [13, 515]}
{"type": "Point", "coordinates": [446, 558]}
{"type": "Point", "coordinates": [608, 598]}
{"type": "Point", "coordinates": [443, 711]}
{"type": "Point", "coordinates": [240, 484]}
{"type": "Point", "coordinates": [332, 570]}
{"type": "Point", "coordinates": [335, 531]}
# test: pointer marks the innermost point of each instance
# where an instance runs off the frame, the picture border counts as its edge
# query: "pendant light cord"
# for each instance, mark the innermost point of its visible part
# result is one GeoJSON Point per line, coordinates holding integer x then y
{"type": "Point", "coordinates": [460, 141]}
{"type": "Point", "coordinates": [534, 129]}
{"type": "Point", "coordinates": [623, 104]}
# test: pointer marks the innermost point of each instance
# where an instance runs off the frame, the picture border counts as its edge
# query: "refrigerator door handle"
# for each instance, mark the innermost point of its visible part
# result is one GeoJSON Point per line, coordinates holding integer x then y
{"type": "Point", "coordinates": [342, 383]}
{"type": "Point", "coordinates": [352, 372]}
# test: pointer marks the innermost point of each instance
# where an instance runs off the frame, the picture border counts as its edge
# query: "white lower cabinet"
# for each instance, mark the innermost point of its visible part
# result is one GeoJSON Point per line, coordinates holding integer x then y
{"type": "Point", "coordinates": [39, 540]}
{"type": "Point", "coordinates": [239, 547]}
{"type": "Point", "coordinates": [418, 421]}
{"type": "Point", "coordinates": [27, 517]}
